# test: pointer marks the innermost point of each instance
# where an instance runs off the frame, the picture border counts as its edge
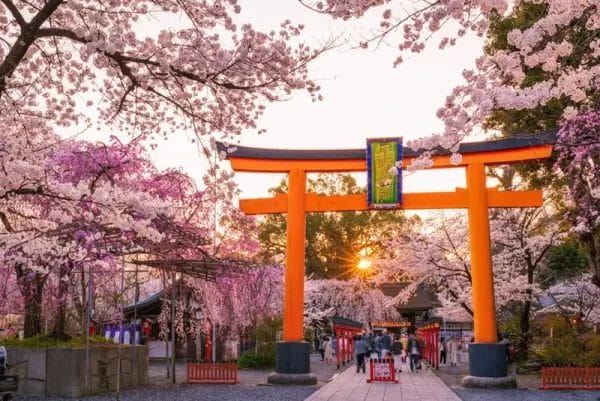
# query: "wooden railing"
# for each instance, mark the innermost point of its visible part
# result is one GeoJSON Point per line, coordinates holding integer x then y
{"type": "Point", "coordinates": [568, 378]}
{"type": "Point", "coordinates": [212, 373]}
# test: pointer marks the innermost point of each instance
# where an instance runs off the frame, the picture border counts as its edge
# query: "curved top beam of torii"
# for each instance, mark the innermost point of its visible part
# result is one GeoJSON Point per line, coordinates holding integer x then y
{"type": "Point", "coordinates": [511, 150]}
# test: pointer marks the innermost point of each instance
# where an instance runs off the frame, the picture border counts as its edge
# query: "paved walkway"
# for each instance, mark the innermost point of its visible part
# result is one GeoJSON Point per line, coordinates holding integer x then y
{"type": "Point", "coordinates": [351, 386]}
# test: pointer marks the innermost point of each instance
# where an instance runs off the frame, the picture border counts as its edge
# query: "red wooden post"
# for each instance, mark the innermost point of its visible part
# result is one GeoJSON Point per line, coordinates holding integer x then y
{"type": "Point", "coordinates": [344, 356]}
{"type": "Point", "coordinates": [346, 346]}
{"type": "Point", "coordinates": [337, 347]}
{"type": "Point", "coordinates": [429, 345]}
{"type": "Point", "coordinates": [433, 347]}
{"type": "Point", "coordinates": [437, 347]}
{"type": "Point", "coordinates": [341, 346]}
{"type": "Point", "coordinates": [426, 337]}
{"type": "Point", "coordinates": [349, 343]}
{"type": "Point", "coordinates": [430, 331]}
{"type": "Point", "coordinates": [371, 371]}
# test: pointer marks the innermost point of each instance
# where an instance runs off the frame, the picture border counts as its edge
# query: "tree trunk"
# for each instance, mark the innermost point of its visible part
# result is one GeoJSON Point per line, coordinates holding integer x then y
{"type": "Point", "coordinates": [31, 285]}
{"type": "Point", "coordinates": [591, 243]}
{"type": "Point", "coordinates": [61, 317]}
{"type": "Point", "coordinates": [525, 329]}
{"type": "Point", "coordinates": [33, 315]}
{"type": "Point", "coordinates": [190, 335]}
{"type": "Point", "coordinates": [526, 312]}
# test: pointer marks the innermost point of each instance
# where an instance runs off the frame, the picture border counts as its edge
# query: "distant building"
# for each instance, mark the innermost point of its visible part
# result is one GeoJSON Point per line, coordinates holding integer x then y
{"type": "Point", "coordinates": [424, 307]}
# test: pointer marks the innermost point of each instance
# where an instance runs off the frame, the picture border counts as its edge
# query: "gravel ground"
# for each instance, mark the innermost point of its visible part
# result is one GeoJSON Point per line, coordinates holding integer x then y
{"type": "Point", "coordinates": [252, 387]}
{"type": "Point", "coordinates": [527, 391]}
{"type": "Point", "coordinates": [184, 392]}
{"type": "Point", "coordinates": [526, 395]}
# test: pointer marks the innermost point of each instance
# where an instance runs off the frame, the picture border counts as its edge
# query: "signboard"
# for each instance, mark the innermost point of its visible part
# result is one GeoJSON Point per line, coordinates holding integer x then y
{"type": "Point", "coordinates": [384, 173]}
{"type": "Point", "coordinates": [390, 324]}
{"type": "Point", "coordinates": [382, 370]}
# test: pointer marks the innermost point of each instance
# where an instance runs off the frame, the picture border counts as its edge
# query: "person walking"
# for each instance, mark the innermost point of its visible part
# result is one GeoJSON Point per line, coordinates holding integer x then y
{"type": "Point", "coordinates": [511, 366]}
{"type": "Point", "coordinates": [386, 344]}
{"type": "Point", "coordinates": [453, 350]}
{"type": "Point", "coordinates": [378, 346]}
{"type": "Point", "coordinates": [443, 351]}
{"type": "Point", "coordinates": [321, 348]}
{"type": "Point", "coordinates": [397, 354]}
{"type": "Point", "coordinates": [414, 348]}
{"type": "Point", "coordinates": [360, 350]}
{"type": "Point", "coordinates": [328, 350]}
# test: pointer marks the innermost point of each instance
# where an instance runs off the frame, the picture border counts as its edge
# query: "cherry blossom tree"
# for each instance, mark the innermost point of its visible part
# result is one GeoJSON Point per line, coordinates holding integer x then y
{"type": "Point", "coordinates": [88, 61]}
{"type": "Point", "coordinates": [579, 164]}
{"type": "Point", "coordinates": [439, 256]}
{"type": "Point", "coordinates": [71, 206]}
{"type": "Point", "coordinates": [576, 297]}
{"type": "Point", "coordinates": [352, 299]}
{"type": "Point", "coordinates": [562, 45]}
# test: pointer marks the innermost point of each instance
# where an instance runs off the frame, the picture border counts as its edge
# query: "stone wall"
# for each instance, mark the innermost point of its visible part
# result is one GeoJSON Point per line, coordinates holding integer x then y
{"type": "Point", "coordinates": [62, 371]}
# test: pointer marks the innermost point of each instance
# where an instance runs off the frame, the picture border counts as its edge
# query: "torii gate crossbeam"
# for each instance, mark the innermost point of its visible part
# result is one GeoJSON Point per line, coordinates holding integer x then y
{"type": "Point", "coordinates": [292, 354]}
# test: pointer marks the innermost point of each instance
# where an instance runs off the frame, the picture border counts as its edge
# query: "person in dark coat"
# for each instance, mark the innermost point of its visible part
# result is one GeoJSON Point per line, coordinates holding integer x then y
{"type": "Point", "coordinates": [443, 350]}
{"type": "Point", "coordinates": [414, 347]}
{"type": "Point", "coordinates": [360, 350]}
{"type": "Point", "coordinates": [386, 344]}
{"type": "Point", "coordinates": [397, 354]}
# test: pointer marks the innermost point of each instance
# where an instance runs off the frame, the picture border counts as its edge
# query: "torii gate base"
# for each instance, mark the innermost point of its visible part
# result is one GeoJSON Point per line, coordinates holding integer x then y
{"type": "Point", "coordinates": [293, 364]}
{"type": "Point", "coordinates": [487, 358]}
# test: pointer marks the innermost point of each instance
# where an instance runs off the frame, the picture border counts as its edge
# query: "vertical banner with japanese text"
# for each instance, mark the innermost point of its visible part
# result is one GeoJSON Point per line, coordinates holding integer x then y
{"type": "Point", "coordinates": [384, 173]}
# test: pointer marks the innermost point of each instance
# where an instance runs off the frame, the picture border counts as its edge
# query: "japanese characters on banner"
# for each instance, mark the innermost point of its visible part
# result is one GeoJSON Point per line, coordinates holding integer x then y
{"type": "Point", "coordinates": [384, 173]}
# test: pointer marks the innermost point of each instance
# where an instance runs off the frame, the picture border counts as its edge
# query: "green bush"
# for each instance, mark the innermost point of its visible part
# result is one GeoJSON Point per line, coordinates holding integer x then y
{"type": "Point", "coordinates": [591, 355]}
{"type": "Point", "coordinates": [263, 356]}
{"type": "Point", "coordinates": [567, 346]}
{"type": "Point", "coordinates": [262, 360]}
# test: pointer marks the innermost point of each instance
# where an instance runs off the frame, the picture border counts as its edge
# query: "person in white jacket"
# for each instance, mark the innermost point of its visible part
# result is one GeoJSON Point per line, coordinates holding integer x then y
{"type": "Point", "coordinates": [452, 346]}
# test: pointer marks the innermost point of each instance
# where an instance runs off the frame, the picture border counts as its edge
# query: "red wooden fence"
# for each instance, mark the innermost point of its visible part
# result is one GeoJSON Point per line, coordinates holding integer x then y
{"type": "Point", "coordinates": [212, 373]}
{"type": "Point", "coordinates": [382, 370]}
{"type": "Point", "coordinates": [430, 334]}
{"type": "Point", "coordinates": [567, 378]}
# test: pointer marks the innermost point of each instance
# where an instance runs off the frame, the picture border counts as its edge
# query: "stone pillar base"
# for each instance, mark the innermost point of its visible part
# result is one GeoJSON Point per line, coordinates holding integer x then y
{"type": "Point", "coordinates": [487, 360]}
{"type": "Point", "coordinates": [293, 364]}
{"type": "Point", "coordinates": [489, 382]}
{"type": "Point", "coordinates": [292, 379]}
{"type": "Point", "coordinates": [487, 367]}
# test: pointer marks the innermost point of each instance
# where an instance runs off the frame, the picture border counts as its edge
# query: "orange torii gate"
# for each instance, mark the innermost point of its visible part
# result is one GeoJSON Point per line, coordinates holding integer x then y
{"type": "Point", "coordinates": [487, 360]}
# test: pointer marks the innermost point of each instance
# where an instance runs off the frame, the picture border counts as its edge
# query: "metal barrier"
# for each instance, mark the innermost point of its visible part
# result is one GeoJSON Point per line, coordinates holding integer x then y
{"type": "Point", "coordinates": [212, 373]}
{"type": "Point", "coordinates": [568, 378]}
{"type": "Point", "coordinates": [382, 370]}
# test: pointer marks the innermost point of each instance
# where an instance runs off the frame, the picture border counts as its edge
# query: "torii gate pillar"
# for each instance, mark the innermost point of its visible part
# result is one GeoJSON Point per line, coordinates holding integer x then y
{"type": "Point", "coordinates": [487, 358]}
{"type": "Point", "coordinates": [293, 353]}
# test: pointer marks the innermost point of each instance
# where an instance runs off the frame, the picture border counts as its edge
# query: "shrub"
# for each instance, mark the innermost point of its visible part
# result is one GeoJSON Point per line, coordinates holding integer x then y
{"type": "Point", "coordinates": [567, 347]}
{"type": "Point", "coordinates": [262, 360]}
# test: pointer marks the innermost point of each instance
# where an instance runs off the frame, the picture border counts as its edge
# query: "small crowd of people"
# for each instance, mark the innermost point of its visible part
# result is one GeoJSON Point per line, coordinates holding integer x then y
{"type": "Point", "coordinates": [403, 349]}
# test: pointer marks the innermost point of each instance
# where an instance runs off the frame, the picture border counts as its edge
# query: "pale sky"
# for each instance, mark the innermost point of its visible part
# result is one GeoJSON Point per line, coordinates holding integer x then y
{"type": "Point", "coordinates": [364, 97]}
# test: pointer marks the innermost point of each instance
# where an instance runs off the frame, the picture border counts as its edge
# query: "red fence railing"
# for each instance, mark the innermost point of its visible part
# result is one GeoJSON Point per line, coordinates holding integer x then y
{"type": "Point", "coordinates": [430, 334]}
{"type": "Point", "coordinates": [567, 378]}
{"type": "Point", "coordinates": [212, 373]}
{"type": "Point", "coordinates": [382, 370]}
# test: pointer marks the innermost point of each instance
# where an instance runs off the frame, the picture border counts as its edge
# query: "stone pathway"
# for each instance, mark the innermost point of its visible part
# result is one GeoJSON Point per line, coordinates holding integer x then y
{"type": "Point", "coordinates": [422, 385]}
